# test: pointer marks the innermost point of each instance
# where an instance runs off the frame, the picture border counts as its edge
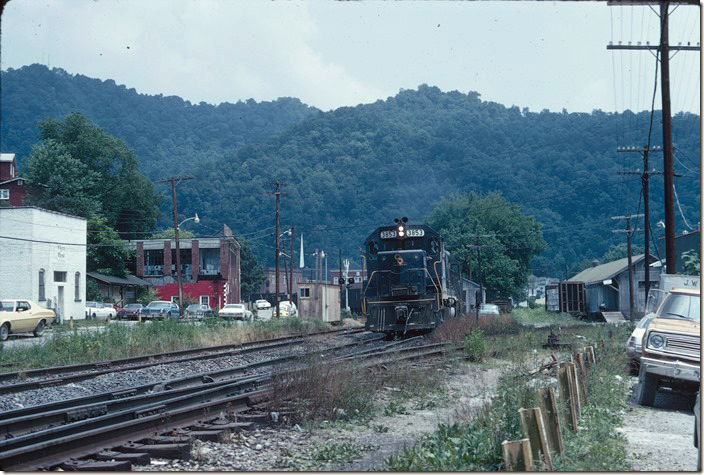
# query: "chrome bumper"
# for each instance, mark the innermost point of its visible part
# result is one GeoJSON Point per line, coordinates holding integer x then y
{"type": "Point", "coordinates": [671, 369]}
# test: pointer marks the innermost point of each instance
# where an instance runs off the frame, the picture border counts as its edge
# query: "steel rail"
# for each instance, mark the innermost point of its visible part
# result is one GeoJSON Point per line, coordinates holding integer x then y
{"type": "Point", "coordinates": [34, 417]}
{"type": "Point", "coordinates": [39, 384]}
{"type": "Point", "coordinates": [44, 449]}
{"type": "Point", "coordinates": [42, 455]}
{"type": "Point", "coordinates": [53, 370]}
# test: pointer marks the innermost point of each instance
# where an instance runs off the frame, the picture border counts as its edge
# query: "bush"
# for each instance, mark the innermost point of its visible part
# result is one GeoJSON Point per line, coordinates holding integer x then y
{"type": "Point", "coordinates": [475, 345]}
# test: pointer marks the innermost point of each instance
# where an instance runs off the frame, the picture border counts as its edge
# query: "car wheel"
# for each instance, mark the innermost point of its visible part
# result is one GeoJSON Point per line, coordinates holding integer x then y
{"type": "Point", "coordinates": [4, 332]}
{"type": "Point", "coordinates": [39, 331]}
{"type": "Point", "coordinates": [93, 317]}
{"type": "Point", "coordinates": [648, 388]}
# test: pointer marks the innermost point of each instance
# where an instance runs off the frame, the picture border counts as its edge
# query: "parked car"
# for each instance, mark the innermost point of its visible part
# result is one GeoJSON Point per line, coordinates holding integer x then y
{"type": "Point", "coordinates": [262, 305]}
{"type": "Point", "coordinates": [236, 311]}
{"type": "Point", "coordinates": [489, 309]}
{"type": "Point", "coordinates": [288, 309]}
{"type": "Point", "coordinates": [671, 346]}
{"type": "Point", "coordinates": [99, 310]}
{"type": "Point", "coordinates": [130, 311]}
{"type": "Point", "coordinates": [23, 316]}
{"type": "Point", "coordinates": [160, 309]}
{"type": "Point", "coordinates": [197, 310]}
{"type": "Point", "coordinates": [634, 345]}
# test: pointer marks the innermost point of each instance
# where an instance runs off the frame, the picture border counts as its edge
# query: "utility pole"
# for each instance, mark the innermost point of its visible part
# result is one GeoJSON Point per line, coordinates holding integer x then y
{"type": "Point", "coordinates": [645, 177]}
{"type": "Point", "coordinates": [178, 245]}
{"type": "Point", "coordinates": [480, 276]}
{"type": "Point", "coordinates": [339, 280]}
{"type": "Point", "coordinates": [664, 48]}
{"type": "Point", "coordinates": [290, 280]}
{"type": "Point", "coordinates": [347, 285]}
{"type": "Point", "coordinates": [628, 232]}
{"type": "Point", "coordinates": [277, 192]}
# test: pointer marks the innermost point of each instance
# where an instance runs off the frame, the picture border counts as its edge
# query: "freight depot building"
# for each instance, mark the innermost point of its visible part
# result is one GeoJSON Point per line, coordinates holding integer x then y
{"type": "Point", "coordinates": [43, 258]}
{"type": "Point", "coordinates": [210, 268]}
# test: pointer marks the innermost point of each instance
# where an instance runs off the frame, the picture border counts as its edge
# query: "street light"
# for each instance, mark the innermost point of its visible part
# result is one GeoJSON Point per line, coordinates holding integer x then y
{"type": "Point", "coordinates": [196, 220]}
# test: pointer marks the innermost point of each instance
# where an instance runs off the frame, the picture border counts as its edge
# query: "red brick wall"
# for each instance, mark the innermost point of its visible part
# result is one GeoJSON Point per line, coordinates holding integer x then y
{"type": "Point", "coordinates": [212, 288]}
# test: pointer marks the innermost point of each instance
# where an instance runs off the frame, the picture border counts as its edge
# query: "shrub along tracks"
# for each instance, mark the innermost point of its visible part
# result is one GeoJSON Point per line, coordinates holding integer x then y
{"type": "Point", "coordinates": [57, 435]}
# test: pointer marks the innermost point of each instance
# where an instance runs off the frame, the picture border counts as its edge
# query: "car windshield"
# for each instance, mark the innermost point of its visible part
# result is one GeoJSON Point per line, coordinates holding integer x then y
{"type": "Point", "coordinates": [681, 306]}
{"type": "Point", "coordinates": [133, 305]}
{"type": "Point", "coordinates": [159, 305]}
{"type": "Point", "coordinates": [194, 306]}
{"type": "Point", "coordinates": [7, 306]}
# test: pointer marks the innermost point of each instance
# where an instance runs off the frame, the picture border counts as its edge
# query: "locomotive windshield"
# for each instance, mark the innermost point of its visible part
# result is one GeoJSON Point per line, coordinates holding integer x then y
{"type": "Point", "coordinates": [401, 261]}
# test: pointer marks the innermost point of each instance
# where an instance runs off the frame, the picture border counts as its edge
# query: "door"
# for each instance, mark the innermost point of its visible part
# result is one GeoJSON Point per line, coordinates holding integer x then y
{"type": "Point", "coordinates": [25, 320]}
{"type": "Point", "coordinates": [60, 303]}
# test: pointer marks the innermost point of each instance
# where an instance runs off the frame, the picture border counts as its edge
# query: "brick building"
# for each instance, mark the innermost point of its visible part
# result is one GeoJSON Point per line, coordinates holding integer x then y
{"type": "Point", "coordinates": [43, 258]}
{"type": "Point", "coordinates": [13, 188]}
{"type": "Point", "coordinates": [210, 268]}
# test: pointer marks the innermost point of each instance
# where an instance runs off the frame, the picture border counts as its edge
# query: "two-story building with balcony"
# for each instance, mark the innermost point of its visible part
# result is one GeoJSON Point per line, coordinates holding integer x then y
{"type": "Point", "coordinates": [210, 268]}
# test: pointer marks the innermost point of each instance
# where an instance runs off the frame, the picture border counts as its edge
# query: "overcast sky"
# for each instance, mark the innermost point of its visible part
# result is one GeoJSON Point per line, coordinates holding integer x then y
{"type": "Point", "coordinates": [546, 55]}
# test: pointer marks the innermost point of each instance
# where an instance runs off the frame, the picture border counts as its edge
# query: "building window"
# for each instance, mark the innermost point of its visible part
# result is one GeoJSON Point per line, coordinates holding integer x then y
{"type": "Point", "coordinates": [358, 279]}
{"type": "Point", "coordinates": [59, 276]}
{"type": "Point", "coordinates": [42, 295]}
{"type": "Point", "coordinates": [4, 194]}
{"type": "Point", "coordinates": [77, 286]}
{"type": "Point", "coordinates": [205, 300]}
{"type": "Point", "coordinates": [305, 292]}
{"type": "Point", "coordinates": [174, 299]}
{"type": "Point", "coordinates": [153, 262]}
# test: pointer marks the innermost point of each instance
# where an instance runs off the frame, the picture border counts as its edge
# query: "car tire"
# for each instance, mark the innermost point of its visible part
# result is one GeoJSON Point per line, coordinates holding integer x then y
{"type": "Point", "coordinates": [4, 332]}
{"type": "Point", "coordinates": [93, 317]}
{"type": "Point", "coordinates": [648, 388]}
{"type": "Point", "coordinates": [39, 331]}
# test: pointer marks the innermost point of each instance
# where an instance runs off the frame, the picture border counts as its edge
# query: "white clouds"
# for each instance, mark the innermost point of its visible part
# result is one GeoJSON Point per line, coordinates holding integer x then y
{"type": "Point", "coordinates": [328, 54]}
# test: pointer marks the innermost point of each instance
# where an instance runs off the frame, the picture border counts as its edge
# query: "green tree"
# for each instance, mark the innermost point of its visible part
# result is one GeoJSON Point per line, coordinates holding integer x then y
{"type": "Point", "coordinates": [691, 262]}
{"type": "Point", "coordinates": [252, 274]}
{"type": "Point", "coordinates": [169, 233]}
{"type": "Point", "coordinates": [79, 169]}
{"type": "Point", "coordinates": [509, 240]}
{"type": "Point", "coordinates": [619, 251]}
{"type": "Point", "coordinates": [107, 253]}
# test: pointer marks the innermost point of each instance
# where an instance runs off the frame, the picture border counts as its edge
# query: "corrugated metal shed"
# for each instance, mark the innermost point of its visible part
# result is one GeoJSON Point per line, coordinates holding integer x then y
{"type": "Point", "coordinates": [605, 271]}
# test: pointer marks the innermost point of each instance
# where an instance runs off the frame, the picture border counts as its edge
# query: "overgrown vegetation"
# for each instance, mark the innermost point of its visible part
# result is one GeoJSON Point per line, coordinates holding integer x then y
{"type": "Point", "coordinates": [114, 341]}
{"type": "Point", "coordinates": [476, 445]}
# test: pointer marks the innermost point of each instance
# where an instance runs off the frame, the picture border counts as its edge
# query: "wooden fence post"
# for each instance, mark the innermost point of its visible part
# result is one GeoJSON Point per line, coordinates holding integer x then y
{"type": "Point", "coordinates": [534, 430]}
{"type": "Point", "coordinates": [551, 418]}
{"type": "Point", "coordinates": [591, 355]}
{"type": "Point", "coordinates": [568, 394]}
{"type": "Point", "coordinates": [578, 360]}
{"type": "Point", "coordinates": [517, 455]}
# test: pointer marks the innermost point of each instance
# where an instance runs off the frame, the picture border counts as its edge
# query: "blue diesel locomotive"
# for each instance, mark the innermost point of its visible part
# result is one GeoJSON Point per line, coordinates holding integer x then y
{"type": "Point", "coordinates": [413, 285]}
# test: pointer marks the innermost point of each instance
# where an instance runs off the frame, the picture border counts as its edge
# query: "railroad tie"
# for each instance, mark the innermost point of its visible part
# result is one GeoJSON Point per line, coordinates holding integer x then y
{"type": "Point", "coordinates": [92, 466]}
{"type": "Point", "coordinates": [135, 458]}
{"type": "Point", "coordinates": [164, 451]}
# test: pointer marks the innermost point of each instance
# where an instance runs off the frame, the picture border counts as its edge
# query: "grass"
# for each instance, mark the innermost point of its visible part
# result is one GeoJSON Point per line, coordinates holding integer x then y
{"type": "Point", "coordinates": [475, 445]}
{"type": "Point", "coordinates": [66, 347]}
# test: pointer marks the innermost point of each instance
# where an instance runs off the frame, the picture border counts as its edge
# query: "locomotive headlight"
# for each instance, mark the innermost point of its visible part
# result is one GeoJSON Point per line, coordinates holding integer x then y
{"type": "Point", "coordinates": [657, 341]}
{"type": "Point", "coordinates": [401, 231]}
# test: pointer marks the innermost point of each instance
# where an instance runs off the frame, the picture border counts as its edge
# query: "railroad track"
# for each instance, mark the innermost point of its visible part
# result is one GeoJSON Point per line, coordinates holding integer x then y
{"type": "Point", "coordinates": [81, 372]}
{"type": "Point", "coordinates": [113, 431]}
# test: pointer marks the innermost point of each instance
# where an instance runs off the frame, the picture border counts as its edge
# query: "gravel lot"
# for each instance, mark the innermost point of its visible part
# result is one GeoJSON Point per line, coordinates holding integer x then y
{"type": "Point", "coordinates": [660, 438]}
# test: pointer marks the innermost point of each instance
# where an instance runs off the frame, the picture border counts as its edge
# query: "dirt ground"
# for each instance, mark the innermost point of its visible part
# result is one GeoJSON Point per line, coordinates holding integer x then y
{"type": "Point", "coordinates": [660, 438]}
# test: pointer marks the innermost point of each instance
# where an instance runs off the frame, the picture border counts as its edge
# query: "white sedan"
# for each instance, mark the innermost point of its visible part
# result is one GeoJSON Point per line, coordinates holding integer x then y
{"type": "Point", "coordinates": [236, 311]}
{"type": "Point", "coordinates": [99, 310]}
{"type": "Point", "coordinates": [262, 305]}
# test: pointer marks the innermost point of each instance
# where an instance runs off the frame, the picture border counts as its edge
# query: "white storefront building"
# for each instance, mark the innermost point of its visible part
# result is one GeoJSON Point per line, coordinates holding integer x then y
{"type": "Point", "coordinates": [43, 258]}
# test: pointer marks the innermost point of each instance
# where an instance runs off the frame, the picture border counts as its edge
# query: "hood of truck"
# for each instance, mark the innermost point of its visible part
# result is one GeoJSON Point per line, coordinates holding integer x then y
{"type": "Point", "coordinates": [674, 325]}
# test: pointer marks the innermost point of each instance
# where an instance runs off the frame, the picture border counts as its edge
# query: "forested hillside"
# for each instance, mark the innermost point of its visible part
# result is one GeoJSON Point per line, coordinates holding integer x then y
{"type": "Point", "coordinates": [167, 134]}
{"type": "Point", "coordinates": [354, 168]}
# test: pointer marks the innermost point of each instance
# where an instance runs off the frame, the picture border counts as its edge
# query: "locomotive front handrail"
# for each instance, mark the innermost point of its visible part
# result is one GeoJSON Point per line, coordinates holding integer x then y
{"type": "Point", "coordinates": [435, 268]}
